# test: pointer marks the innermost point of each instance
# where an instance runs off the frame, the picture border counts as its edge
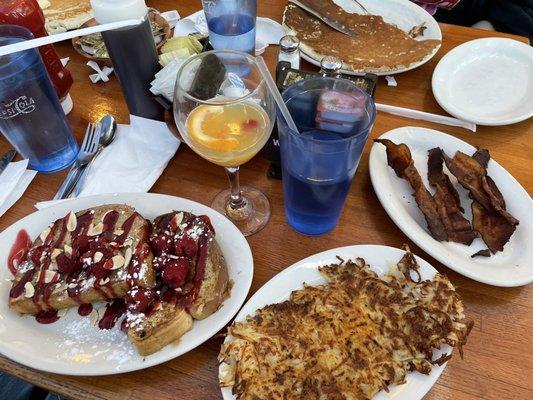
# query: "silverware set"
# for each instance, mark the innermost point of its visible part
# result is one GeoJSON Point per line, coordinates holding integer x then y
{"type": "Point", "coordinates": [97, 137]}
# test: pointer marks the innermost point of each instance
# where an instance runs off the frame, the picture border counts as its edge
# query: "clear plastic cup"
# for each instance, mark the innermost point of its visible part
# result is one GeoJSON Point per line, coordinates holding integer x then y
{"type": "Point", "coordinates": [334, 118]}
{"type": "Point", "coordinates": [231, 24]}
{"type": "Point", "coordinates": [31, 117]}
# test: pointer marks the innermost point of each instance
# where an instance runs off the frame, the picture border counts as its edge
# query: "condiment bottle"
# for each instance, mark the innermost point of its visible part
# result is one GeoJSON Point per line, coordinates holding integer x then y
{"type": "Point", "coordinates": [330, 66]}
{"type": "Point", "coordinates": [289, 50]}
{"type": "Point", "coordinates": [133, 53]}
{"type": "Point", "coordinates": [28, 13]}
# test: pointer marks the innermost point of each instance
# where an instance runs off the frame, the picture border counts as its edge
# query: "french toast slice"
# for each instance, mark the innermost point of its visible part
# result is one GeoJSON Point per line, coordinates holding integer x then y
{"type": "Point", "coordinates": [192, 282]}
{"type": "Point", "coordinates": [84, 257]}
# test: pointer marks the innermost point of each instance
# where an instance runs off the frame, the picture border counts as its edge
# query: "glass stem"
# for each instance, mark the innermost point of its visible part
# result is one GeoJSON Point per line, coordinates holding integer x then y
{"type": "Point", "coordinates": [236, 200]}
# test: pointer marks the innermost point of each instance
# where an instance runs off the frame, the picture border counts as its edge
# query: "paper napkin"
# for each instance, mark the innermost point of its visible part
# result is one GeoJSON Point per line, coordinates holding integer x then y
{"type": "Point", "coordinates": [267, 30]}
{"type": "Point", "coordinates": [133, 162]}
{"type": "Point", "coordinates": [14, 181]}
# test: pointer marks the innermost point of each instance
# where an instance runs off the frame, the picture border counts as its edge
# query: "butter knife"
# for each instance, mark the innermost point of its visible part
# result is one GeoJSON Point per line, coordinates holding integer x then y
{"type": "Point", "coordinates": [338, 26]}
{"type": "Point", "coordinates": [5, 159]}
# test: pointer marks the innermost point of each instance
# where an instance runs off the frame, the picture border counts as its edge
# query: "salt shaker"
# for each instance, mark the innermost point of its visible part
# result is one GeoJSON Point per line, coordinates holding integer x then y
{"type": "Point", "coordinates": [289, 50]}
{"type": "Point", "coordinates": [133, 53]}
{"type": "Point", "coordinates": [330, 66]}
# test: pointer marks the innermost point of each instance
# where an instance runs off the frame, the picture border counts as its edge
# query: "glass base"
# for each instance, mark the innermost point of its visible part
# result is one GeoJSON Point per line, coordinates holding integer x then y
{"type": "Point", "coordinates": [252, 216]}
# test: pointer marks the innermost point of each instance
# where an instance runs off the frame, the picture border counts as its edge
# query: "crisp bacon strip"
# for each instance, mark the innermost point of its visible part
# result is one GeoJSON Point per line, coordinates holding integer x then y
{"type": "Point", "coordinates": [399, 158]}
{"type": "Point", "coordinates": [458, 228]}
{"type": "Point", "coordinates": [496, 230]}
{"type": "Point", "coordinates": [473, 176]}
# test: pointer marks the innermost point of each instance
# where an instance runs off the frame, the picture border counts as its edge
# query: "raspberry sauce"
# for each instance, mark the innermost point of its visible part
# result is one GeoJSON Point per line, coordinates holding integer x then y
{"type": "Point", "coordinates": [18, 251]}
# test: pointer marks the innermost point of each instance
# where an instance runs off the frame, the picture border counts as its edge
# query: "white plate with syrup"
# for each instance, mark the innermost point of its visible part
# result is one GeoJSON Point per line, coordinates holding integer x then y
{"type": "Point", "coordinates": [486, 81]}
{"type": "Point", "coordinates": [380, 258]}
{"type": "Point", "coordinates": [72, 345]}
{"type": "Point", "coordinates": [510, 267]}
{"type": "Point", "coordinates": [402, 13]}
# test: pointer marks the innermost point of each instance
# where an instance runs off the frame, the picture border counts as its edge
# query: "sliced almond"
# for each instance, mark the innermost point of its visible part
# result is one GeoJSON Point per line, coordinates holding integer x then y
{"type": "Point", "coordinates": [94, 317]}
{"type": "Point", "coordinates": [128, 242]}
{"type": "Point", "coordinates": [60, 287]}
{"type": "Point", "coordinates": [72, 222]}
{"type": "Point", "coordinates": [118, 261]}
{"type": "Point", "coordinates": [118, 231]}
{"type": "Point", "coordinates": [50, 276]}
{"type": "Point", "coordinates": [176, 221]}
{"type": "Point", "coordinates": [127, 256]}
{"type": "Point", "coordinates": [98, 257]}
{"type": "Point", "coordinates": [52, 266]}
{"type": "Point", "coordinates": [68, 250]}
{"type": "Point", "coordinates": [44, 254]}
{"type": "Point", "coordinates": [104, 281]}
{"type": "Point", "coordinates": [56, 252]}
{"type": "Point", "coordinates": [62, 312]}
{"type": "Point", "coordinates": [95, 230]}
{"type": "Point", "coordinates": [29, 290]}
{"type": "Point", "coordinates": [44, 234]}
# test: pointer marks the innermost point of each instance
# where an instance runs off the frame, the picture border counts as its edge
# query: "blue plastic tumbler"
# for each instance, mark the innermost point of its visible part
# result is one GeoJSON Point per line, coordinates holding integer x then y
{"type": "Point", "coordinates": [231, 24]}
{"type": "Point", "coordinates": [31, 117]}
{"type": "Point", "coordinates": [334, 118]}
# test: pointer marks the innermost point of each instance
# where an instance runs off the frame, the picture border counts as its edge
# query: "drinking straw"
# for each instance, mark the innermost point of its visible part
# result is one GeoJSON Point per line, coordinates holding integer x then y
{"type": "Point", "coordinates": [276, 94]}
{"type": "Point", "coordinates": [30, 44]}
{"type": "Point", "coordinates": [424, 116]}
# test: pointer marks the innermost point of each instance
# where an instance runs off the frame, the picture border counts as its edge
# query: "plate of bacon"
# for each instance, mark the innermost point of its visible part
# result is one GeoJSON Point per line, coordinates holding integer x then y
{"type": "Point", "coordinates": [456, 203]}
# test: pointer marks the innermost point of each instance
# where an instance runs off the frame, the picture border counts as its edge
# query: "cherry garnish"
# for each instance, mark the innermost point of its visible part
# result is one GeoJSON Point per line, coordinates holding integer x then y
{"type": "Point", "coordinates": [185, 246]}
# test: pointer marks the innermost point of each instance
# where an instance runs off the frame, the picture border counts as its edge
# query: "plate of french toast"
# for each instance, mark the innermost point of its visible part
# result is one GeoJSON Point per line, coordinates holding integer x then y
{"type": "Point", "coordinates": [115, 283]}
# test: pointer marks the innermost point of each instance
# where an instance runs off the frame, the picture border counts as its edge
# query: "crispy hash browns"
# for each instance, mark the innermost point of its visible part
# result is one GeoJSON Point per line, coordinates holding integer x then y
{"type": "Point", "coordinates": [347, 339]}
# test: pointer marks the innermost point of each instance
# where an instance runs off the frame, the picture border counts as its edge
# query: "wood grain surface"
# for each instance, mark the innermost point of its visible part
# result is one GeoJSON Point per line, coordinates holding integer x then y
{"type": "Point", "coordinates": [498, 359]}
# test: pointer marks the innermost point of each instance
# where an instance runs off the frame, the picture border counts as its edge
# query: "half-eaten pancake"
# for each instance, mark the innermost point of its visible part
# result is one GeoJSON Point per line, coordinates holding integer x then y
{"type": "Point", "coordinates": [377, 47]}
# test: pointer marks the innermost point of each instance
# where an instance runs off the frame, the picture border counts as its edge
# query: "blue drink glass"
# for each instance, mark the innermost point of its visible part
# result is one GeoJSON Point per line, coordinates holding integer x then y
{"type": "Point", "coordinates": [231, 24]}
{"type": "Point", "coordinates": [31, 117]}
{"type": "Point", "coordinates": [318, 163]}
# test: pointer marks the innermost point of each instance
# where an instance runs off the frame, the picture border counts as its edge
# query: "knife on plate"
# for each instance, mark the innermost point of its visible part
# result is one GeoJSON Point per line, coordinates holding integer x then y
{"type": "Point", "coordinates": [5, 159]}
{"type": "Point", "coordinates": [338, 26]}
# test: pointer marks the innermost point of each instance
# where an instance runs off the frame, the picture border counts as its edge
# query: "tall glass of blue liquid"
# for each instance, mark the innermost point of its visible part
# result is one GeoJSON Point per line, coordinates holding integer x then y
{"type": "Point", "coordinates": [334, 118]}
{"type": "Point", "coordinates": [231, 24]}
{"type": "Point", "coordinates": [31, 117]}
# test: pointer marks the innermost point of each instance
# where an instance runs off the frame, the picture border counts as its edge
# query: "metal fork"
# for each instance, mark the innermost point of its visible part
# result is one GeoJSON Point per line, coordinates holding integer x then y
{"type": "Point", "coordinates": [87, 151]}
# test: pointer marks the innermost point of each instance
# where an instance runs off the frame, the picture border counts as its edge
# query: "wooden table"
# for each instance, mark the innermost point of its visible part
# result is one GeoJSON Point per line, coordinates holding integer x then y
{"type": "Point", "coordinates": [498, 361]}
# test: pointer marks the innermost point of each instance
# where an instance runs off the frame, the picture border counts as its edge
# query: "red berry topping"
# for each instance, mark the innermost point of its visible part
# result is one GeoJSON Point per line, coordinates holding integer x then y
{"type": "Point", "coordinates": [186, 246]}
{"type": "Point", "coordinates": [175, 273]}
{"type": "Point", "coordinates": [140, 299]}
{"type": "Point", "coordinates": [161, 244]}
{"type": "Point", "coordinates": [67, 265]}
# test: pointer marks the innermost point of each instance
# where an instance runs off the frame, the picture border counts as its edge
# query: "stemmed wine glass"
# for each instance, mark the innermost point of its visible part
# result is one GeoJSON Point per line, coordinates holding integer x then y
{"type": "Point", "coordinates": [225, 113]}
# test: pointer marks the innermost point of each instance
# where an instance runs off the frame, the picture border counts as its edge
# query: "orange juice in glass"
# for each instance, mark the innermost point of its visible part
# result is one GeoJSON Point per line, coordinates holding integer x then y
{"type": "Point", "coordinates": [225, 113]}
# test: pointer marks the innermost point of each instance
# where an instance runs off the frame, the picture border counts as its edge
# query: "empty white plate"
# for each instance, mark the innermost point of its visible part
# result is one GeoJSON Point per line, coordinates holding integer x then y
{"type": "Point", "coordinates": [486, 81]}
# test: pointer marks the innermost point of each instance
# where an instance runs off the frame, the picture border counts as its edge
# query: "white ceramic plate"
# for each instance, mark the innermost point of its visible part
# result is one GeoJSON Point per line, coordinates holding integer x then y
{"type": "Point", "coordinates": [486, 81]}
{"type": "Point", "coordinates": [511, 267]}
{"type": "Point", "coordinates": [72, 346]}
{"type": "Point", "coordinates": [279, 288]}
{"type": "Point", "coordinates": [402, 13]}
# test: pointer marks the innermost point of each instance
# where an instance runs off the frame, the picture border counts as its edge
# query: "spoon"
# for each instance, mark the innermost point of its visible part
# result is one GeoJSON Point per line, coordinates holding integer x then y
{"type": "Point", "coordinates": [108, 129]}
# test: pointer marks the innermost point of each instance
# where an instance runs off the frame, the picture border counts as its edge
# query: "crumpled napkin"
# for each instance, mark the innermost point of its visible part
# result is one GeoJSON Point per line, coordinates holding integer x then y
{"type": "Point", "coordinates": [14, 181]}
{"type": "Point", "coordinates": [267, 31]}
{"type": "Point", "coordinates": [132, 163]}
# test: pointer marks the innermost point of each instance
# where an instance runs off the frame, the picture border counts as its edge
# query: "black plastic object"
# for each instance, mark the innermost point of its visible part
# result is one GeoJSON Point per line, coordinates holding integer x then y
{"type": "Point", "coordinates": [208, 78]}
